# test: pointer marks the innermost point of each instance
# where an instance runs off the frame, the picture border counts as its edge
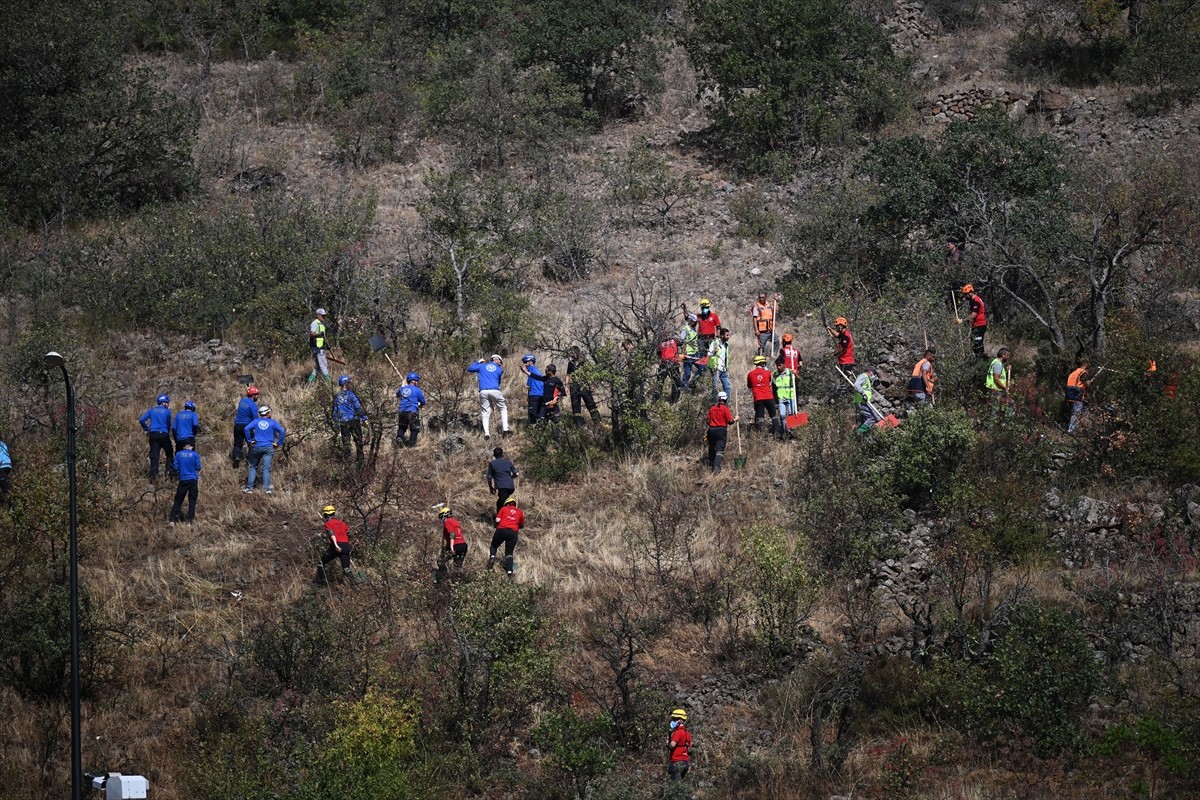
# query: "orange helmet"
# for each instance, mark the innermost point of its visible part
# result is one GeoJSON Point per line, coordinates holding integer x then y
{"type": "Point", "coordinates": [842, 321]}
{"type": "Point", "coordinates": [968, 288]}
{"type": "Point", "coordinates": [787, 338]}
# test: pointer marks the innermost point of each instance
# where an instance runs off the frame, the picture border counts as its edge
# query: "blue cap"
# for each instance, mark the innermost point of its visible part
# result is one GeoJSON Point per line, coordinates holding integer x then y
{"type": "Point", "coordinates": [412, 376]}
{"type": "Point", "coordinates": [190, 405]}
{"type": "Point", "coordinates": [164, 398]}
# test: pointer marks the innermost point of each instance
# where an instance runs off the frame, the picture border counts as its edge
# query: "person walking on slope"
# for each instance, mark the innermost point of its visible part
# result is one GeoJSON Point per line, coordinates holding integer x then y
{"type": "Point", "coordinates": [844, 356]}
{"type": "Point", "coordinates": [719, 420]}
{"type": "Point", "coordinates": [187, 466]}
{"type": "Point", "coordinates": [718, 360]}
{"type": "Point", "coordinates": [454, 544]}
{"type": "Point", "coordinates": [581, 393]}
{"type": "Point", "coordinates": [533, 382]}
{"type": "Point", "coordinates": [247, 412]}
{"type": "Point", "coordinates": [348, 416]}
{"type": "Point", "coordinates": [864, 393]}
{"type": "Point", "coordinates": [999, 377]}
{"type": "Point", "coordinates": [6, 467]}
{"type": "Point", "coordinates": [553, 391]}
{"type": "Point", "coordinates": [509, 520]}
{"type": "Point", "coordinates": [679, 760]}
{"type": "Point", "coordinates": [689, 345]}
{"type": "Point", "coordinates": [186, 425]}
{"type": "Point", "coordinates": [337, 533]}
{"type": "Point", "coordinates": [762, 315]}
{"type": "Point", "coordinates": [789, 355]}
{"type": "Point", "coordinates": [490, 374]}
{"type": "Point", "coordinates": [783, 383]}
{"type": "Point", "coordinates": [921, 384]}
{"type": "Point", "coordinates": [408, 416]}
{"type": "Point", "coordinates": [156, 422]}
{"type": "Point", "coordinates": [708, 324]}
{"type": "Point", "coordinates": [317, 344]}
{"type": "Point", "coordinates": [264, 436]}
{"type": "Point", "coordinates": [762, 391]}
{"type": "Point", "coordinates": [1078, 384]}
{"type": "Point", "coordinates": [501, 477]}
{"type": "Point", "coordinates": [977, 316]}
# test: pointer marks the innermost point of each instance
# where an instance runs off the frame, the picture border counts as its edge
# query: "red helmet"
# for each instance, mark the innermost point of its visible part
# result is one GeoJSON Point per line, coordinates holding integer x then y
{"type": "Point", "coordinates": [252, 391]}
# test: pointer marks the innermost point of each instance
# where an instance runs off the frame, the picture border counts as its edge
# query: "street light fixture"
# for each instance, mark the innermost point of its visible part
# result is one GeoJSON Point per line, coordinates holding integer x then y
{"type": "Point", "coordinates": [56, 360]}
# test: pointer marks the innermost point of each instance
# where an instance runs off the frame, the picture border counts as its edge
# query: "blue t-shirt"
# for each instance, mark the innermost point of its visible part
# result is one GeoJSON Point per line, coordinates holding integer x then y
{"type": "Point", "coordinates": [247, 412]}
{"type": "Point", "coordinates": [186, 424]}
{"type": "Point", "coordinates": [187, 464]}
{"type": "Point", "coordinates": [264, 432]}
{"type": "Point", "coordinates": [411, 398]}
{"type": "Point", "coordinates": [536, 387]}
{"type": "Point", "coordinates": [489, 374]}
{"type": "Point", "coordinates": [5, 459]}
{"type": "Point", "coordinates": [156, 420]}
{"type": "Point", "coordinates": [346, 406]}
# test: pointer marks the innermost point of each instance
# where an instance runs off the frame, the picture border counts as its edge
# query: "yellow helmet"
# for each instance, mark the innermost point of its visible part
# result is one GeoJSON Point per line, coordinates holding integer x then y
{"type": "Point", "coordinates": [705, 302]}
{"type": "Point", "coordinates": [760, 359]}
{"type": "Point", "coordinates": [679, 714]}
{"type": "Point", "coordinates": [444, 512]}
{"type": "Point", "coordinates": [328, 510]}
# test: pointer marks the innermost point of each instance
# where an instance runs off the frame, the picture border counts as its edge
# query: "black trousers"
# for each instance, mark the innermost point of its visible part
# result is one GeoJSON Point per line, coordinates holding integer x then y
{"type": "Point", "coordinates": [508, 538]}
{"type": "Point", "coordinates": [408, 422]}
{"type": "Point", "coordinates": [537, 407]}
{"type": "Point", "coordinates": [765, 408]}
{"type": "Point", "coordinates": [582, 396]}
{"type": "Point", "coordinates": [160, 442]}
{"type": "Point", "coordinates": [717, 439]}
{"type": "Point", "coordinates": [239, 443]}
{"type": "Point", "coordinates": [352, 429]}
{"type": "Point", "coordinates": [332, 554]}
{"type": "Point", "coordinates": [190, 490]}
{"type": "Point", "coordinates": [501, 496]}
{"type": "Point", "coordinates": [977, 335]}
{"type": "Point", "coordinates": [5, 484]}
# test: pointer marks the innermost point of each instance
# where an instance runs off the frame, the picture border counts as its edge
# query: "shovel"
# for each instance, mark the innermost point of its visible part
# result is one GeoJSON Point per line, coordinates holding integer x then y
{"type": "Point", "coordinates": [378, 343]}
{"type": "Point", "coordinates": [245, 380]}
{"type": "Point", "coordinates": [890, 421]}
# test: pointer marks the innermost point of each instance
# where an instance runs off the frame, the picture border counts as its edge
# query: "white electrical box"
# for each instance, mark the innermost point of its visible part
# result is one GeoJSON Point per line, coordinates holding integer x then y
{"type": "Point", "coordinates": [123, 787]}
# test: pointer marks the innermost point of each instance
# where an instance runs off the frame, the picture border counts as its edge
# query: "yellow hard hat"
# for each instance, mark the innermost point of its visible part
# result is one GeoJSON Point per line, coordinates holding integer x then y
{"type": "Point", "coordinates": [444, 511]}
{"type": "Point", "coordinates": [760, 359]}
{"type": "Point", "coordinates": [329, 510]}
{"type": "Point", "coordinates": [679, 714]}
{"type": "Point", "coordinates": [705, 302]}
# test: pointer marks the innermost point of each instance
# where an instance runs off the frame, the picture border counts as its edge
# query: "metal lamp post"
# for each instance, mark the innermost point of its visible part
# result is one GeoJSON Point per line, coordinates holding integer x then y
{"type": "Point", "coordinates": [56, 360]}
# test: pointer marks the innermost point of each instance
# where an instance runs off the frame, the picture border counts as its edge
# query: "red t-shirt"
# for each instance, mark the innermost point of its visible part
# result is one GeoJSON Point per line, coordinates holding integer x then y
{"type": "Point", "coordinates": [789, 356]}
{"type": "Point", "coordinates": [719, 416]}
{"type": "Point", "coordinates": [845, 348]}
{"type": "Point", "coordinates": [339, 529]}
{"type": "Point", "coordinates": [759, 383]}
{"type": "Point", "coordinates": [452, 531]}
{"type": "Point", "coordinates": [681, 740]}
{"type": "Point", "coordinates": [510, 517]}
{"type": "Point", "coordinates": [707, 325]}
{"type": "Point", "coordinates": [975, 306]}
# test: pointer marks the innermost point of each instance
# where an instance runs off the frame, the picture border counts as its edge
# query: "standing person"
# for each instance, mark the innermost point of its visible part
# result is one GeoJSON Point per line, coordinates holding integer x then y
{"type": "Point", "coordinates": [5, 472]}
{"type": "Point", "coordinates": [186, 425]}
{"type": "Point", "coordinates": [1078, 384]}
{"type": "Point", "coordinates": [678, 745]}
{"type": "Point", "coordinates": [581, 393]}
{"type": "Point", "coordinates": [762, 314]}
{"type": "Point", "coordinates": [921, 384]}
{"type": "Point", "coordinates": [317, 343]}
{"type": "Point", "coordinates": [264, 436]}
{"type": "Point", "coordinates": [844, 356]}
{"type": "Point", "coordinates": [708, 324]}
{"type": "Point", "coordinates": [669, 358]}
{"type": "Point", "coordinates": [864, 392]}
{"type": "Point", "coordinates": [762, 391]}
{"type": "Point", "coordinates": [719, 420]}
{"type": "Point", "coordinates": [247, 412]}
{"type": "Point", "coordinates": [501, 477]}
{"type": "Point", "coordinates": [454, 544]}
{"type": "Point", "coordinates": [187, 466]}
{"type": "Point", "coordinates": [533, 382]}
{"type": "Point", "coordinates": [784, 385]}
{"type": "Point", "coordinates": [338, 535]}
{"type": "Point", "coordinates": [349, 416]}
{"type": "Point", "coordinates": [689, 344]}
{"type": "Point", "coordinates": [718, 359]}
{"type": "Point", "coordinates": [553, 391]}
{"type": "Point", "coordinates": [977, 316]}
{"type": "Point", "coordinates": [408, 419]}
{"type": "Point", "coordinates": [789, 355]}
{"type": "Point", "coordinates": [156, 422]}
{"type": "Point", "coordinates": [489, 374]}
{"type": "Point", "coordinates": [998, 376]}
{"type": "Point", "coordinates": [509, 520]}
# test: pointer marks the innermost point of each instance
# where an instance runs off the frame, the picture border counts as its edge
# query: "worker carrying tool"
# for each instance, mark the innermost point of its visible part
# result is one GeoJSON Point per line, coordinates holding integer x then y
{"type": "Point", "coordinates": [999, 384]}
{"type": "Point", "coordinates": [977, 316]}
{"type": "Point", "coordinates": [864, 393]}
{"type": "Point", "coordinates": [844, 356]}
{"type": "Point", "coordinates": [708, 323]}
{"type": "Point", "coordinates": [318, 345]}
{"type": "Point", "coordinates": [762, 390]}
{"type": "Point", "coordinates": [1078, 384]}
{"type": "Point", "coordinates": [921, 384]}
{"type": "Point", "coordinates": [720, 417]}
{"type": "Point", "coordinates": [349, 416]}
{"type": "Point", "coordinates": [789, 355]}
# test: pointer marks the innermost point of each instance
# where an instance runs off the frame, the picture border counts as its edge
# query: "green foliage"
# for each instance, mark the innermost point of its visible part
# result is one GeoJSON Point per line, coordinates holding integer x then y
{"type": "Point", "coordinates": [368, 754]}
{"type": "Point", "coordinates": [643, 184]}
{"type": "Point", "coordinates": [1036, 682]}
{"type": "Point", "coordinates": [80, 133]}
{"type": "Point", "coordinates": [1162, 51]}
{"type": "Point", "coordinates": [303, 651]}
{"type": "Point", "coordinates": [577, 746]}
{"type": "Point", "coordinates": [926, 452]}
{"type": "Point", "coordinates": [792, 75]}
{"type": "Point", "coordinates": [1155, 739]}
{"type": "Point", "coordinates": [556, 455]}
{"type": "Point", "coordinates": [773, 573]}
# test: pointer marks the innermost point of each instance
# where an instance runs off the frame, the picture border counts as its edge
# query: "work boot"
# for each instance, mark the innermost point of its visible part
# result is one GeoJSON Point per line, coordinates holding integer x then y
{"type": "Point", "coordinates": [491, 562]}
{"type": "Point", "coordinates": [319, 580]}
{"type": "Point", "coordinates": [509, 565]}
{"type": "Point", "coordinates": [717, 459]}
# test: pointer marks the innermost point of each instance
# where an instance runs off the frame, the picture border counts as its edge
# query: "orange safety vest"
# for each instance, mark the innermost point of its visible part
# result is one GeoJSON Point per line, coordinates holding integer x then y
{"type": "Point", "coordinates": [764, 320]}
{"type": "Point", "coordinates": [917, 382]}
{"type": "Point", "coordinates": [1075, 385]}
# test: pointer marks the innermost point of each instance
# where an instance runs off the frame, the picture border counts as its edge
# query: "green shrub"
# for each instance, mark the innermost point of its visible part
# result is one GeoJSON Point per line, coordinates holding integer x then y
{"type": "Point", "coordinates": [774, 575]}
{"type": "Point", "coordinates": [578, 747]}
{"type": "Point", "coordinates": [926, 452]}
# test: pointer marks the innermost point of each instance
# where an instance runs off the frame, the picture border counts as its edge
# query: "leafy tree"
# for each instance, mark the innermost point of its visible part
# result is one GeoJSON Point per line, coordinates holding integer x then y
{"type": "Point", "coordinates": [578, 747]}
{"type": "Point", "coordinates": [774, 575]}
{"type": "Point", "coordinates": [80, 133]}
{"type": "Point", "coordinates": [1162, 48]}
{"type": "Point", "coordinates": [790, 75]}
